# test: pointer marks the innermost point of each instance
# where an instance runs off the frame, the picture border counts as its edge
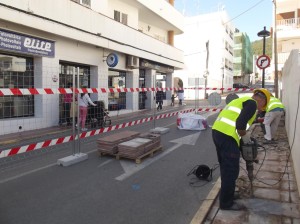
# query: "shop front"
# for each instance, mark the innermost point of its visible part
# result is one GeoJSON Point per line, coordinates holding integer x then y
{"type": "Point", "coordinates": [17, 53]}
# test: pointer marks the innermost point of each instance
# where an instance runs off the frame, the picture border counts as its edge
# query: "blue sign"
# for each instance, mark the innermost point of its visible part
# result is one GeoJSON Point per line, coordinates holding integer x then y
{"type": "Point", "coordinates": [112, 60]}
{"type": "Point", "coordinates": [26, 44]}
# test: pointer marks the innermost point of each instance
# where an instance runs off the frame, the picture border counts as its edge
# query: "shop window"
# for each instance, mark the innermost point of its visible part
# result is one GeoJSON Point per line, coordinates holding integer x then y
{"type": "Point", "coordinates": [116, 79]}
{"type": "Point", "coordinates": [16, 72]}
{"type": "Point", "coordinates": [66, 73]}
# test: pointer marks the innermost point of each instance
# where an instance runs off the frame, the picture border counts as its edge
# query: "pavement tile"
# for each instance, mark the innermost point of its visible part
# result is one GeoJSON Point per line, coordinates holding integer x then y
{"type": "Point", "coordinates": [266, 207]}
{"type": "Point", "coordinates": [295, 221]}
{"type": "Point", "coordinates": [274, 168]}
{"type": "Point", "coordinates": [288, 185]}
{"type": "Point", "coordinates": [276, 163]}
{"type": "Point", "coordinates": [267, 193]}
{"type": "Point", "coordinates": [265, 175]}
{"type": "Point", "coordinates": [291, 197]}
{"type": "Point", "coordinates": [230, 217]}
{"type": "Point", "coordinates": [260, 219]}
{"type": "Point", "coordinates": [272, 156]}
{"type": "Point", "coordinates": [271, 184]}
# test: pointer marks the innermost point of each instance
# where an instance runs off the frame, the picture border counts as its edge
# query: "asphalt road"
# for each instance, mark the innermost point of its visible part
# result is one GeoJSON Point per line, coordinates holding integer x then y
{"type": "Point", "coordinates": [108, 191]}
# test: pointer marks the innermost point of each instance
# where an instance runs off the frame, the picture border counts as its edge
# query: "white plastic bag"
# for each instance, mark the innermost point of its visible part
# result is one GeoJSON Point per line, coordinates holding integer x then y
{"type": "Point", "coordinates": [191, 121]}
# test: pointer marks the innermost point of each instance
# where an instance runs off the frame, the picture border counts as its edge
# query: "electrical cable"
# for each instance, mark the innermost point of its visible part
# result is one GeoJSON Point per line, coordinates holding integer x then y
{"type": "Point", "coordinates": [197, 180]}
{"type": "Point", "coordinates": [245, 11]}
{"type": "Point", "coordinates": [290, 148]}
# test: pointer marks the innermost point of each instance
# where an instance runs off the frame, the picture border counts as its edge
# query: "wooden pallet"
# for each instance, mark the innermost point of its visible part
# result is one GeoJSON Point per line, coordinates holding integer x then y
{"type": "Point", "coordinates": [106, 154]}
{"type": "Point", "coordinates": [138, 159]}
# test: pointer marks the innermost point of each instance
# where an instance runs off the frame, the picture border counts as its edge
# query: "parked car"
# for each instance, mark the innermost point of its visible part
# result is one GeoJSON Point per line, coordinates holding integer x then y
{"type": "Point", "coordinates": [239, 85]}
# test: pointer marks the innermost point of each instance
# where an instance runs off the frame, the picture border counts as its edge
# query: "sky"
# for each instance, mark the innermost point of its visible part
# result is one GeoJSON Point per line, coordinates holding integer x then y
{"type": "Point", "coordinates": [249, 16]}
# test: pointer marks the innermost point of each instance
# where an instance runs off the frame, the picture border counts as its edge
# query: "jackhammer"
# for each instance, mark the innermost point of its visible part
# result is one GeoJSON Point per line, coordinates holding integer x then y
{"type": "Point", "coordinates": [249, 154]}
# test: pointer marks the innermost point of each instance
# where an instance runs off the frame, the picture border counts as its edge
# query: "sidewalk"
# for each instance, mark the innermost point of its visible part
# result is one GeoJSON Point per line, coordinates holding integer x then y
{"type": "Point", "coordinates": [275, 193]}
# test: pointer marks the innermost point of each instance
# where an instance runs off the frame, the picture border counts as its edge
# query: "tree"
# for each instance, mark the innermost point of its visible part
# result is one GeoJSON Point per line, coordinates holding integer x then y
{"type": "Point", "coordinates": [257, 47]}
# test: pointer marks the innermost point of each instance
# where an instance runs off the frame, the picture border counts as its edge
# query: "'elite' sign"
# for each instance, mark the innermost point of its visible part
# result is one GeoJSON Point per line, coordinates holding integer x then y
{"type": "Point", "coordinates": [26, 44]}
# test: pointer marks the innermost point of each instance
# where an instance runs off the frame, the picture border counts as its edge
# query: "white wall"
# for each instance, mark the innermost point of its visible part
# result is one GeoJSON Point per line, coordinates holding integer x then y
{"type": "Point", "coordinates": [133, 13]}
{"type": "Point", "coordinates": [290, 98]}
{"type": "Point", "coordinates": [93, 28]}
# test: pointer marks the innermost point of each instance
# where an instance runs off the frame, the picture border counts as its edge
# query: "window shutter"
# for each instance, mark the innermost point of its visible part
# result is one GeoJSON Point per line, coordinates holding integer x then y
{"type": "Point", "coordinates": [124, 18]}
{"type": "Point", "coordinates": [117, 16]}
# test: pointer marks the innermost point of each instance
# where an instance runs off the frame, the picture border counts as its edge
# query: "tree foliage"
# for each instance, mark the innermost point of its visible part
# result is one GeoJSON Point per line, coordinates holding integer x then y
{"type": "Point", "coordinates": [257, 47]}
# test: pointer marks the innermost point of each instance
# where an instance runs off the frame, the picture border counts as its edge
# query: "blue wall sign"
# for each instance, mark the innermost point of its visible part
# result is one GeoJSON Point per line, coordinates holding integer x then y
{"type": "Point", "coordinates": [112, 60]}
{"type": "Point", "coordinates": [26, 44]}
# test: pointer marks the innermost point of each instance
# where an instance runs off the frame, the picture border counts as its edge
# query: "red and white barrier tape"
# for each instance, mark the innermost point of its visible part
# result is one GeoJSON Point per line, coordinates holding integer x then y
{"type": "Point", "coordinates": [57, 141]}
{"type": "Point", "coordinates": [49, 91]}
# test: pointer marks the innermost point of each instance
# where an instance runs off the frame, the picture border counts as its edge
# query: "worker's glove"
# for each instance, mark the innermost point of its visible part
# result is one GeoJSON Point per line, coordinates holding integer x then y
{"type": "Point", "coordinates": [247, 138]}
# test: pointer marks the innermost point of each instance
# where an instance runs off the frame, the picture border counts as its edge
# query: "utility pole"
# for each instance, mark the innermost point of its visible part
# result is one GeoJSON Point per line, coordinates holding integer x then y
{"type": "Point", "coordinates": [206, 73]}
{"type": "Point", "coordinates": [275, 52]}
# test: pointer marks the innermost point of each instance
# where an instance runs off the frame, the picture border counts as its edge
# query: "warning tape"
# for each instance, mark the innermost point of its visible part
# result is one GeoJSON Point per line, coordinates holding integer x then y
{"type": "Point", "coordinates": [61, 140]}
{"type": "Point", "coordinates": [49, 91]}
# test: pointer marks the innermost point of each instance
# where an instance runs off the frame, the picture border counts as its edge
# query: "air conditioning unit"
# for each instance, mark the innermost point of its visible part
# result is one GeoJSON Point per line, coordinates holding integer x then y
{"type": "Point", "coordinates": [132, 61]}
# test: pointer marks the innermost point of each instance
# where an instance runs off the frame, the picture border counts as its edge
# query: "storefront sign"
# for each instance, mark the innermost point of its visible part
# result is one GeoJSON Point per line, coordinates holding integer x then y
{"type": "Point", "coordinates": [157, 67]}
{"type": "Point", "coordinates": [26, 44]}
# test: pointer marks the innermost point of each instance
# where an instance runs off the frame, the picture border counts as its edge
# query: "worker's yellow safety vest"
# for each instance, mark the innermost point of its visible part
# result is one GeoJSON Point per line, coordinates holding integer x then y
{"type": "Point", "coordinates": [226, 121]}
{"type": "Point", "coordinates": [274, 103]}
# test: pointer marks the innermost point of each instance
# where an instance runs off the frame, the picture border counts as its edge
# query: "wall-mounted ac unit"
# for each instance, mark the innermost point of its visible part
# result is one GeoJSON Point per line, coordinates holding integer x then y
{"type": "Point", "coordinates": [132, 61]}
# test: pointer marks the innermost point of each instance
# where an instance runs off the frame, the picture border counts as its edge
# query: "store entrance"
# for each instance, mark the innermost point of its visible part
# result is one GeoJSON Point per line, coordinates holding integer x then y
{"type": "Point", "coordinates": [142, 95]}
{"type": "Point", "coordinates": [66, 73]}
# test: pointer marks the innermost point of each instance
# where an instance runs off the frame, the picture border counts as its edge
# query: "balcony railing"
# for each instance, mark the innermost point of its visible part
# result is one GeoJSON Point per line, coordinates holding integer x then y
{"type": "Point", "coordinates": [285, 24]}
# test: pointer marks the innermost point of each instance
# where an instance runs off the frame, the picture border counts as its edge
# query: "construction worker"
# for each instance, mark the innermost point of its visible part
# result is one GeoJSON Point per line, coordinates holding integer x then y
{"type": "Point", "coordinates": [230, 126]}
{"type": "Point", "coordinates": [274, 111]}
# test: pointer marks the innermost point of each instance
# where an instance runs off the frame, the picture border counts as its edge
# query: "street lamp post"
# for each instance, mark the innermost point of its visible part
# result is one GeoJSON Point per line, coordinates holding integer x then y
{"type": "Point", "coordinates": [264, 33]}
{"type": "Point", "coordinates": [206, 72]}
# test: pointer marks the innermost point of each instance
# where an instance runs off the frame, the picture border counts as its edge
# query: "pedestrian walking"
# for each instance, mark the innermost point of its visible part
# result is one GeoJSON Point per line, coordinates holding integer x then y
{"type": "Point", "coordinates": [173, 99]}
{"type": "Point", "coordinates": [159, 99]}
{"type": "Point", "coordinates": [84, 100]}
{"type": "Point", "coordinates": [180, 96]}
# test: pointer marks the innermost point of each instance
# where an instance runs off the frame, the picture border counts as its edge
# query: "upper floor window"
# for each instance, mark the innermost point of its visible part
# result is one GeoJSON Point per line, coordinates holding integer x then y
{"type": "Point", "coordinates": [83, 2]}
{"type": "Point", "coordinates": [121, 17]}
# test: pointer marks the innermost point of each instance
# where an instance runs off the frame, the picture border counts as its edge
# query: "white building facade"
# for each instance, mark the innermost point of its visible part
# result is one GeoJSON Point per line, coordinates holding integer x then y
{"type": "Point", "coordinates": [286, 33]}
{"type": "Point", "coordinates": [207, 43]}
{"type": "Point", "coordinates": [85, 43]}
